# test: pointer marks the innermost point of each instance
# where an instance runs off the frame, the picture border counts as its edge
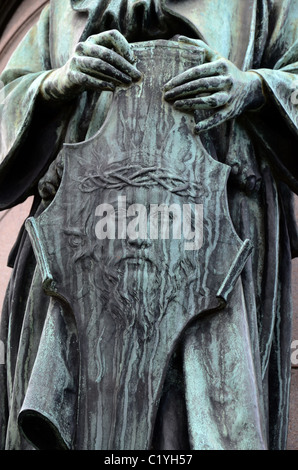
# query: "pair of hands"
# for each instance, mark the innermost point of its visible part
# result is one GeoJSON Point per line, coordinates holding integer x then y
{"type": "Point", "coordinates": [106, 60]}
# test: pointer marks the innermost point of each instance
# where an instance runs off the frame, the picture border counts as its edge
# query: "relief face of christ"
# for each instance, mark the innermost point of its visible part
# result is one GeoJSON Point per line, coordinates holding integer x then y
{"type": "Point", "coordinates": [144, 235]}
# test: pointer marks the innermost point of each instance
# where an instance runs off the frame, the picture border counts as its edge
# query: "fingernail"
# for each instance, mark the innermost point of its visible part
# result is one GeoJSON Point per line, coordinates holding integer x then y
{"type": "Point", "coordinates": [167, 86]}
{"type": "Point", "coordinates": [168, 95]}
{"type": "Point", "coordinates": [135, 73]}
{"type": "Point", "coordinates": [178, 104]}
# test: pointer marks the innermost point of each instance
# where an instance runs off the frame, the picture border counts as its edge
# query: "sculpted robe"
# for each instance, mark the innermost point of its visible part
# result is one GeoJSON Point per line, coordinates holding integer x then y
{"type": "Point", "coordinates": [261, 148]}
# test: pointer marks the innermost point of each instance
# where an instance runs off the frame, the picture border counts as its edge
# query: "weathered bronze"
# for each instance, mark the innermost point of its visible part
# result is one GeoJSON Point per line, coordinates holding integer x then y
{"type": "Point", "coordinates": [148, 342]}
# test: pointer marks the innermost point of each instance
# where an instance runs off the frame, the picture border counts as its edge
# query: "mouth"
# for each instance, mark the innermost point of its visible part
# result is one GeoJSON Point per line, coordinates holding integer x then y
{"type": "Point", "coordinates": [136, 260]}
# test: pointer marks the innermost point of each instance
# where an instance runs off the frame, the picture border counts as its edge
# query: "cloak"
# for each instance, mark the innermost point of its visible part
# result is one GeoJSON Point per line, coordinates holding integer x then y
{"type": "Point", "coordinates": [259, 146]}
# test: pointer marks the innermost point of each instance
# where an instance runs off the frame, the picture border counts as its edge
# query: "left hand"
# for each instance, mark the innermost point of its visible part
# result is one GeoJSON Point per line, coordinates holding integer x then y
{"type": "Point", "coordinates": [216, 85]}
{"type": "Point", "coordinates": [48, 185]}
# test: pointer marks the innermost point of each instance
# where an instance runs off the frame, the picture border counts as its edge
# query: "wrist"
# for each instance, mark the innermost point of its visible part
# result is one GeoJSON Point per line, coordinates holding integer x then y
{"type": "Point", "coordinates": [54, 89]}
{"type": "Point", "coordinates": [48, 88]}
{"type": "Point", "coordinates": [256, 92]}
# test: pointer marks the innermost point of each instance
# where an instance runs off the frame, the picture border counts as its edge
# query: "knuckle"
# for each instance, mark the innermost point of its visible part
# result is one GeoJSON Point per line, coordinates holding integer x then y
{"type": "Point", "coordinates": [223, 65]}
{"type": "Point", "coordinates": [70, 72]}
{"type": "Point", "coordinates": [215, 100]}
{"type": "Point", "coordinates": [195, 72]}
{"type": "Point", "coordinates": [213, 103]}
{"type": "Point", "coordinates": [229, 80]}
{"type": "Point", "coordinates": [75, 64]}
{"type": "Point", "coordinates": [114, 33]}
{"type": "Point", "coordinates": [80, 47]}
{"type": "Point", "coordinates": [74, 77]}
{"type": "Point", "coordinates": [224, 98]}
{"type": "Point", "coordinates": [105, 54]}
{"type": "Point", "coordinates": [93, 38]}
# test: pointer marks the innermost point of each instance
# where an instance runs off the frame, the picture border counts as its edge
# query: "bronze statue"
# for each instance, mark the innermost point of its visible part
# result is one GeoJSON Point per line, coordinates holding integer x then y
{"type": "Point", "coordinates": [139, 343]}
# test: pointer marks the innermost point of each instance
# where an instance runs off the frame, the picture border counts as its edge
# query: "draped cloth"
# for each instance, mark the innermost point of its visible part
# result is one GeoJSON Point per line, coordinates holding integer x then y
{"type": "Point", "coordinates": [259, 146]}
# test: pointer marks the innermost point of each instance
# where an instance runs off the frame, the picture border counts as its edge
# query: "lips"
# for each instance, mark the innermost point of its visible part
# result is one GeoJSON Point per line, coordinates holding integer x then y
{"type": "Point", "coordinates": [136, 260]}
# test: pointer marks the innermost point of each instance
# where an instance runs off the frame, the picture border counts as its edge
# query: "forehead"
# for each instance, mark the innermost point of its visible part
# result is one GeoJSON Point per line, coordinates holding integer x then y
{"type": "Point", "coordinates": [144, 195]}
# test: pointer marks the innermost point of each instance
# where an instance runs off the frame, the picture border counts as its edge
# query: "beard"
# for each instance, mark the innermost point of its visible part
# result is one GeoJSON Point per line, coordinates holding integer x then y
{"type": "Point", "coordinates": [136, 294]}
{"type": "Point", "coordinates": [130, 294]}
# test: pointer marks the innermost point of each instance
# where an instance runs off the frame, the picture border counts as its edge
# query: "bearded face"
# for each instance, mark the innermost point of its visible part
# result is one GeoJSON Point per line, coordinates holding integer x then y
{"type": "Point", "coordinates": [144, 260]}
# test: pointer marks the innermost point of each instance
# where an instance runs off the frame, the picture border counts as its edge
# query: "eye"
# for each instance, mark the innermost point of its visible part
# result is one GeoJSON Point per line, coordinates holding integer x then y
{"type": "Point", "coordinates": [75, 241]}
{"type": "Point", "coordinates": [75, 238]}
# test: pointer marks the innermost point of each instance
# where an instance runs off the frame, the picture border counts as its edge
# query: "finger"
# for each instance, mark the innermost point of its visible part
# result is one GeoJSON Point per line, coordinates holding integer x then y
{"type": "Point", "coordinates": [100, 69]}
{"type": "Point", "coordinates": [213, 121]}
{"type": "Point", "coordinates": [51, 175]}
{"type": "Point", "coordinates": [202, 85]}
{"type": "Point", "coordinates": [200, 71]}
{"type": "Point", "coordinates": [85, 81]}
{"type": "Point", "coordinates": [109, 56]}
{"type": "Point", "coordinates": [114, 39]}
{"type": "Point", "coordinates": [60, 168]}
{"type": "Point", "coordinates": [210, 53]}
{"type": "Point", "coordinates": [207, 102]}
{"type": "Point", "coordinates": [46, 190]}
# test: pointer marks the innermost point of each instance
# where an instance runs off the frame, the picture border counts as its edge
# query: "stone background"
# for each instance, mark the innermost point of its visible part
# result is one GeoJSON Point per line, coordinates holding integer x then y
{"type": "Point", "coordinates": [10, 221]}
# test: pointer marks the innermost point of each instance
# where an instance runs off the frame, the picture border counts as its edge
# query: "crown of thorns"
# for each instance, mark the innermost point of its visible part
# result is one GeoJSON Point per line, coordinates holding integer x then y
{"type": "Point", "coordinates": [138, 176]}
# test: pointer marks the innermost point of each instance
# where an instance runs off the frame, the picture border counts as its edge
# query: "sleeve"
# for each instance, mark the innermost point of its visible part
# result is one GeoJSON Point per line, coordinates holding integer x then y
{"type": "Point", "coordinates": [276, 126]}
{"type": "Point", "coordinates": [48, 415]}
{"type": "Point", "coordinates": [24, 149]}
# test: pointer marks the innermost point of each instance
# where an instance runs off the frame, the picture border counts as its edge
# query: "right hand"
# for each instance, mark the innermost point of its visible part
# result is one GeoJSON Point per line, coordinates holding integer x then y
{"type": "Point", "coordinates": [100, 63]}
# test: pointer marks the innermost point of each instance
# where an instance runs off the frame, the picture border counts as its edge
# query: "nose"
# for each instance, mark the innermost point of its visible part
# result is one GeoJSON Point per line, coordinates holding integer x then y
{"type": "Point", "coordinates": [139, 243]}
